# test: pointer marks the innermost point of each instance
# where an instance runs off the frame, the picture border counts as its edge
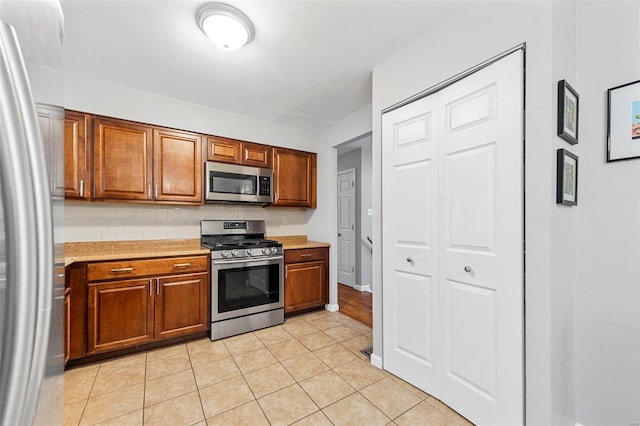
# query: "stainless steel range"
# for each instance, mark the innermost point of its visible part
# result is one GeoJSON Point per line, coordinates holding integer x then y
{"type": "Point", "coordinates": [247, 282]}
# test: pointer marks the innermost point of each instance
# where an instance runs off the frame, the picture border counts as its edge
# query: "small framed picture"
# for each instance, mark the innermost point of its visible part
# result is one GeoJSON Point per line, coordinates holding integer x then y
{"type": "Point", "coordinates": [567, 112]}
{"type": "Point", "coordinates": [567, 179]}
{"type": "Point", "coordinates": [623, 122]}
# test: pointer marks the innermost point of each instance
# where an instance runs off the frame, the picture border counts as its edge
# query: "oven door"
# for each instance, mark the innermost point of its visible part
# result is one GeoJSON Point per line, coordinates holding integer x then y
{"type": "Point", "coordinates": [245, 287]}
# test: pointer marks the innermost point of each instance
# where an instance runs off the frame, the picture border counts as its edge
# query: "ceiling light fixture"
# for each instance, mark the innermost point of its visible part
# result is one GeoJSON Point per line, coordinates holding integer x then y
{"type": "Point", "coordinates": [227, 27]}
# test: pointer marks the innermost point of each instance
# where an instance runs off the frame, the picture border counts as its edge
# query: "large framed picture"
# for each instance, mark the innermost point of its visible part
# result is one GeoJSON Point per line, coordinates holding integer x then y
{"type": "Point", "coordinates": [567, 112]}
{"type": "Point", "coordinates": [567, 178]}
{"type": "Point", "coordinates": [623, 123]}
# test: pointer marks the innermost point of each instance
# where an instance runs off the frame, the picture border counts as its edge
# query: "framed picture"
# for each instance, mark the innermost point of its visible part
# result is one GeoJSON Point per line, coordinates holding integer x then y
{"type": "Point", "coordinates": [623, 123]}
{"type": "Point", "coordinates": [567, 179]}
{"type": "Point", "coordinates": [567, 112]}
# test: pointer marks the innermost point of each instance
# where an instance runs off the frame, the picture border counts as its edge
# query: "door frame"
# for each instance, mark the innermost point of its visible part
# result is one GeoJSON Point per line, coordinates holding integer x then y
{"type": "Point", "coordinates": [378, 360]}
{"type": "Point", "coordinates": [356, 224]}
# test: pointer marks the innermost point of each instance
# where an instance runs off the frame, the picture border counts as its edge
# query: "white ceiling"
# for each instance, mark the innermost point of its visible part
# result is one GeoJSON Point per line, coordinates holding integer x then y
{"type": "Point", "coordinates": [308, 66]}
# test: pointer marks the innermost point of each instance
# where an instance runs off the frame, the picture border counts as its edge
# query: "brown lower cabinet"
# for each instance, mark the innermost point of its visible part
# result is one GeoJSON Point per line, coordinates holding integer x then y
{"type": "Point", "coordinates": [132, 302]}
{"type": "Point", "coordinates": [67, 324]}
{"type": "Point", "coordinates": [306, 284]}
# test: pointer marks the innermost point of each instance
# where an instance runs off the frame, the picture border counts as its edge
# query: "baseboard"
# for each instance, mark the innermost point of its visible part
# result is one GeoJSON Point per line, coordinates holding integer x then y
{"type": "Point", "coordinates": [362, 288]}
{"type": "Point", "coordinates": [376, 361]}
{"type": "Point", "coordinates": [332, 308]}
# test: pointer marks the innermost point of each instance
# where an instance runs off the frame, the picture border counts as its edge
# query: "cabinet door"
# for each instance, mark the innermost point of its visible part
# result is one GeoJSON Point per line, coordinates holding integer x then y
{"type": "Point", "coordinates": [177, 166]}
{"type": "Point", "coordinates": [120, 314]}
{"type": "Point", "coordinates": [257, 155]}
{"type": "Point", "coordinates": [294, 174]}
{"type": "Point", "coordinates": [303, 286]}
{"type": "Point", "coordinates": [181, 305]}
{"type": "Point", "coordinates": [51, 121]}
{"type": "Point", "coordinates": [77, 154]}
{"type": "Point", "coordinates": [67, 324]}
{"type": "Point", "coordinates": [224, 150]}
{"type": "Point", "coordinates": [122, 159]}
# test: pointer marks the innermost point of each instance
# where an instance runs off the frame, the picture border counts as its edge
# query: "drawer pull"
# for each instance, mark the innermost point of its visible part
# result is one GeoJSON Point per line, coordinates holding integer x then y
{"type": "Point", "coordinates": [306, 255]}
{"type": "Point", "coordinates": [116, 270]}
{"type": "Point", "coordinates": [181, 265]}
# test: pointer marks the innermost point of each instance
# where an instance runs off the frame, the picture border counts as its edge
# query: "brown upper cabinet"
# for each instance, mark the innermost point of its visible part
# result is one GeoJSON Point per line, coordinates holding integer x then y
{"type": "Point", "coordinates": [122, 160]}
{"type": "Point", "coordinates": [109, 159]}
{"type": "Point", "coordinates": [177, 163]}
{"type": "Point", "coordinates": [234, 151]}
{"type": "Point", "coordinates": [77, 155]}
{"type": "Point", "coordinates": [133, 161]}
{"type": "Point", "coordinates": [294, 175]}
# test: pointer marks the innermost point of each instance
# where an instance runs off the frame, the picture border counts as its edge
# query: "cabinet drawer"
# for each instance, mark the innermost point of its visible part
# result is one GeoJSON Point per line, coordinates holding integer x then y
{"type": "Point", "coordinates": [303, 255]}
{"type": "Point", "coordinates": [140, 268]}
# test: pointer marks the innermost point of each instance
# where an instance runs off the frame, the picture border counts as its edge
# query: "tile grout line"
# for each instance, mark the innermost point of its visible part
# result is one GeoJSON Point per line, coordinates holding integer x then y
{"type": "Point", "coordinates": [86, 403]}
{"type": "Point", "coordinates": [144, 386]}
{"type": "Point", "coordinates": [193, 372]}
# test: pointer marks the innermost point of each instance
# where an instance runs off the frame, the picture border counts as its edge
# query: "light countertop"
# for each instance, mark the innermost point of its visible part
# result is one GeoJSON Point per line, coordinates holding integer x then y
{"type": "Point", "coordinates": [138, 249]}
{"type": "Point", "coordinates": [293, 242]}
{"type": "Point", "coordinates": [135, 249]}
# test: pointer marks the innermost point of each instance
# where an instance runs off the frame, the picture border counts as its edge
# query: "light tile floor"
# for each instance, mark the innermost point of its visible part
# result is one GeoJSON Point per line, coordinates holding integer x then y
{"type": "Point", "coordinates": [308, 371]}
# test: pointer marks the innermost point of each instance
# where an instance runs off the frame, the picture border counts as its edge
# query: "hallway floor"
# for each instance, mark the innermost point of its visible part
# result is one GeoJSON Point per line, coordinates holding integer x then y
{"type": "Point", "coordinates": [308, 371]}
{"type": "Point", "coordinates": [355, 304]}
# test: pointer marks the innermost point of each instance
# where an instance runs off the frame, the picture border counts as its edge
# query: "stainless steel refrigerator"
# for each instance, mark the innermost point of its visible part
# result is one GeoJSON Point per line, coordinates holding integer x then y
{"type": "Point", "coordinates": [31, 212]}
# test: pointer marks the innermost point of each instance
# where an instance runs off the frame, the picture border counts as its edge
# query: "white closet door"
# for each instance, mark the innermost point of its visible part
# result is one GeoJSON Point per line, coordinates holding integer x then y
{"type": "Point", "coordinates": [453, 204]}
{"type": "Point", "coordinates": [410, 289]}
{"type": "Point", "coordinates": [481, 258]}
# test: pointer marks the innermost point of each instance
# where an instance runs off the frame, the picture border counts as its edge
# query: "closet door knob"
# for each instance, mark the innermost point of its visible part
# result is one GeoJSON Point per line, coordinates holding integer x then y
{"type": "Point", "coordinates": [467, 268]}
{"type": "Point", "coordinates": [410, 260]}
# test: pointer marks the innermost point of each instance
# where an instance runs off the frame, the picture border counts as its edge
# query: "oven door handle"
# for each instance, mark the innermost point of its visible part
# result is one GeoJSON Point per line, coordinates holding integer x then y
{"type": "Point", "coordinates": [247, 260]}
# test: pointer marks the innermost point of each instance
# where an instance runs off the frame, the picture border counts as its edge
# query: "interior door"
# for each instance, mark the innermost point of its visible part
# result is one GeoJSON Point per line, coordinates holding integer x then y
{"type": "Point", "coordinates": [410, 250]}
{"type": "Point", "coordinates": [481, 261]}
{"type": "Point", "coordinates": [476, 279]}
{"type": "Point", "coordinates": [347, 227]}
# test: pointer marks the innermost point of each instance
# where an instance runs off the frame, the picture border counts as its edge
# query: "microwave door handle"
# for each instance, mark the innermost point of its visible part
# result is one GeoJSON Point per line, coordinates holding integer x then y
{"type": "Point", "coordinates": [29, 233]}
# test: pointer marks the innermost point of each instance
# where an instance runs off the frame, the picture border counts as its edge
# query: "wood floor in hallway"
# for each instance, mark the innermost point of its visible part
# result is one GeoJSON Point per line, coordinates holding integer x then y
{"type": "Point", "coordinates": [355, 304]}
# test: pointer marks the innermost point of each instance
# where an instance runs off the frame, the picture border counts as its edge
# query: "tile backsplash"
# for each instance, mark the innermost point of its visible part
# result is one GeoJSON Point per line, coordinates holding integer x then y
{"type": "Point", "coordinates": [117, 222]}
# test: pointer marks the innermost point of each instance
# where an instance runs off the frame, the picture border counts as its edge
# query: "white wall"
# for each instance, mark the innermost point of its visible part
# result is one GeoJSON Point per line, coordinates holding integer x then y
{"type": "Point", "coordinates": [322, 222]}
{"type": "Point", "coordinates": [468, 37]}
{"type": "Point", "coordinates": [366, 203]}
{"type": "Point", "coordinates": [121, 102]}
{"type": "Point", "coordinates": [563, 232]}
{"type": "Point", "coordinates": [608, 287]}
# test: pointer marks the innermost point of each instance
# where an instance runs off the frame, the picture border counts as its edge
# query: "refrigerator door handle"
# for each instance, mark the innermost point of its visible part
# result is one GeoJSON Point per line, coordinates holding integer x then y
{"type": "Point", "coordinates": [29, 237]}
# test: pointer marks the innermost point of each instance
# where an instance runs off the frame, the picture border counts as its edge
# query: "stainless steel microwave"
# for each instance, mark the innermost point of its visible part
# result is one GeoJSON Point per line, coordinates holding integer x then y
{"type": "Point", "coordinates": [233, 183]}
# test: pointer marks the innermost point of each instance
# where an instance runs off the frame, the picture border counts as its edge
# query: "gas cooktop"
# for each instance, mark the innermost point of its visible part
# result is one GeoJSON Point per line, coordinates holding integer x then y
{"type": "Point", "coordinates": [237, 239]}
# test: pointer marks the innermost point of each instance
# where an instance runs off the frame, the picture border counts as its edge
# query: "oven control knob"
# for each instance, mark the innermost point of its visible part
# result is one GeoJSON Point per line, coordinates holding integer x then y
{"type": "Point", "coordinates": [249, 252]}
{"type": "Point", "coordinates": [234, 253]}
{"type": "Point", "coordinates": [266, 250]}
{"type": "Point", "coordinates": [224, 253]}
{"type": "Point", "coordinates": [274, 250]}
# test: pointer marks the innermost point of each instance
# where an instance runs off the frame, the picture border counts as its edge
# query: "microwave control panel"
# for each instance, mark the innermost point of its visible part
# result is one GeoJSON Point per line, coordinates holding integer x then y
{"type": "Point", "coordinates": [265, 185]}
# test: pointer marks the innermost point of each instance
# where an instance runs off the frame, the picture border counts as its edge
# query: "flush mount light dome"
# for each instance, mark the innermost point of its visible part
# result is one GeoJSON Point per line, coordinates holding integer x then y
{"type": "Point", "coordinates": [227, 27]}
